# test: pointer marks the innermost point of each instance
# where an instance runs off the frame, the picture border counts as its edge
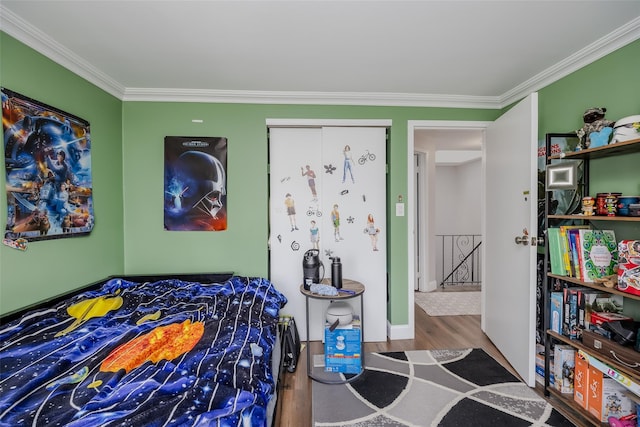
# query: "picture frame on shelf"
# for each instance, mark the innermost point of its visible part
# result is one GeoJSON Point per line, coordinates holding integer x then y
{"type": "Point", "coordinates": [562, 176]}
{"type": "Point", "coordinates": [563, 179]}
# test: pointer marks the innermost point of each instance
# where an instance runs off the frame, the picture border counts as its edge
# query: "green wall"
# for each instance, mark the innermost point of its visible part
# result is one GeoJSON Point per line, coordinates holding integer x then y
{"type": "Point", "coordinates": [128, 174]}
{"type": "Point", "coordinates": [243, 247]}
{"type": "Point", "coordinates": [51, 267]}
{"type": "Point", "coordinates": [611, 82]}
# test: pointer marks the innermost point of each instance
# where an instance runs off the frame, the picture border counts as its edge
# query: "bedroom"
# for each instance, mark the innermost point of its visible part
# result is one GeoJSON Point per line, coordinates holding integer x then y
{"type": "Point", "coordinates": [128, 237]}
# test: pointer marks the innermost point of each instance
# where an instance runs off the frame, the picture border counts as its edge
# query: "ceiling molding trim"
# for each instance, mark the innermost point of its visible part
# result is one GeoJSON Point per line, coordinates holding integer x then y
{"type": "Point", "coordinates": [613, 41]}
{"type": "Point", "coordinates": [31, 36]}
{"type": "Point", "coordinates": [311, 98]}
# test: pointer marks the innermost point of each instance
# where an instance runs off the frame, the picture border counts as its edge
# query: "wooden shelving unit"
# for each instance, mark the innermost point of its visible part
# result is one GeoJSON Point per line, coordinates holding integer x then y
{"type": "Point", "coordinates": [594, 286]}
{"type": "Point", "coordinates": [616, 149]}
{"type": "Point", "coordinates": [597, 218]}
{"type": "Point", "coordinates": [634, 376]}
{"type": "Point", "coordinates": [577, 413]}
{"type": "Point", "coordinates": [565, 401]}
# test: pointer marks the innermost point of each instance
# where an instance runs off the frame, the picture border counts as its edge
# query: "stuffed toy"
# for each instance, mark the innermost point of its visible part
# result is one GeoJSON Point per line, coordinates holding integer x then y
{"type": "Point", "coordinates": [594, 124]}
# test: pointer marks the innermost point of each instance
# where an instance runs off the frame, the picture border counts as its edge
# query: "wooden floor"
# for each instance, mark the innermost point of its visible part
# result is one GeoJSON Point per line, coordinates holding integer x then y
{"type": "Point", "coordinates": [431, 333]}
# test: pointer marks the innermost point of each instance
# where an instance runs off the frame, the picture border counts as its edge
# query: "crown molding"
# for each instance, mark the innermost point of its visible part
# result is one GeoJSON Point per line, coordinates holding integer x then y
{"type": "Point", "coordinates": [31, 36]}
{"type": "Point", "coordinates": [310, 98]}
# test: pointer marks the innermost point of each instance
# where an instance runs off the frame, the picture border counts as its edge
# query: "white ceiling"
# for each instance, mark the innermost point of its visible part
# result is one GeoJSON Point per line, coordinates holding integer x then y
{"type": "Point", "coordinates": [451, 147]}
{"type": "Point", "coordinates": [451, 53]}
{"type": "Point", "coordinates": [477, 54]}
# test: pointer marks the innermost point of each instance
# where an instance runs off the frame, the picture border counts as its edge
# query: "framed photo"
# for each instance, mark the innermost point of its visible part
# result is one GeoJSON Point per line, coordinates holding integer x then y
{"type": "Point", "coordinates": [562, 176]}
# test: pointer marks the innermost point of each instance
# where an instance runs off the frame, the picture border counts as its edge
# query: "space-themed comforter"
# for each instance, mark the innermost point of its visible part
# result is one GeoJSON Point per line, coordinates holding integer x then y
{"type": "Point", "coordinates": [168, 353]}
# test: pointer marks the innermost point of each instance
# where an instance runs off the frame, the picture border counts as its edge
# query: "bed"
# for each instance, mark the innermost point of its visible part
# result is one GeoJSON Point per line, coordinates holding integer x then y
{"type": "Point", "coordinates": [145, 351]}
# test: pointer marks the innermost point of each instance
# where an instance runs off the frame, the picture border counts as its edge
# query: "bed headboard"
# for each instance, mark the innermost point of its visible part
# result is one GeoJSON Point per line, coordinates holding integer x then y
{"type": "Point", "coordinates": [192, 277]}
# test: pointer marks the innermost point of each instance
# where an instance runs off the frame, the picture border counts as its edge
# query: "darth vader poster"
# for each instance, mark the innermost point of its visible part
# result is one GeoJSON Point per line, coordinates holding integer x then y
{"type": "Point", "coordinates": [48, 171]}
{"type": "Point", "coordinates": [195, 183]}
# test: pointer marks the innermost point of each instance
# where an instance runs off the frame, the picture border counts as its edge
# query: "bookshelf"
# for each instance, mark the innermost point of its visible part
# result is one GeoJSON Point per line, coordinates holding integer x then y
{"type": "Point", "coordinates": [595, 286]}
{"type": "Point", "coordinates": [566, 401]}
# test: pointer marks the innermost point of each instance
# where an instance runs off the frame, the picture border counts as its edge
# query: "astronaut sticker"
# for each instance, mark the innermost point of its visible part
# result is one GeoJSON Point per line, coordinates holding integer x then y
{"type": "Point", "coordinates": [48, 171]}
{"type": "Point", "coordinates": [195, 183]}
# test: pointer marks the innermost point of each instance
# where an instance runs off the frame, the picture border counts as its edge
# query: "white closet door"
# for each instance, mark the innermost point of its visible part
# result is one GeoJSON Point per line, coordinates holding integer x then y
{"type": "Point", "coordinates": [289, 150]}
{"type": "Point", "coordinates": [359, 190]}
{"type": "Point", "coordinates": [357, 186]}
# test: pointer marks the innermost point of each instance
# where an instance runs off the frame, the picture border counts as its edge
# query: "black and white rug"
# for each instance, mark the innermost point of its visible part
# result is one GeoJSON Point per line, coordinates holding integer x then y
{"type": "Point", "coordinates": [447, 388]}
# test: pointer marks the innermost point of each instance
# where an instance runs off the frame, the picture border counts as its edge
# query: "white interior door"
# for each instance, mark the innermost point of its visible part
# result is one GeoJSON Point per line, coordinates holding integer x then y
{"type": "Point", "coordinates": [509, 284]}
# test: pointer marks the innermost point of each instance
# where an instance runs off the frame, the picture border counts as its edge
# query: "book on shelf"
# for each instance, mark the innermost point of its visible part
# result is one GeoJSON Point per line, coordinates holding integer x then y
{"type": "Point", "coordinates": [555, 251]}
{"type": "Point", "coordinates": [570, 312]}
{"type": "Point", "coordinates": [568, 256]}
{"type": "Point", "coordinates": [556, 316]}
{"type": "Point", "coordinates": [565, 251]}
{"type": "Point", "coordinates": [572, 238]}
{"type": "Point", "coordinates": [579, 256]}
{"type": "Point", "coordinates": [563, 254]}
{"type": "Point", "coordinates": [564, 365]}
{"type": "Point", "coordinates": [599, 254]}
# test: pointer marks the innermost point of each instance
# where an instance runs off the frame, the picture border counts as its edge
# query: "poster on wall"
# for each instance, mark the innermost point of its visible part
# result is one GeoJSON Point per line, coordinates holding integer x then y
{"type": "Point", "coordinates": [47, 156]}
{"type": "Point", "coordinates": [195, 183]}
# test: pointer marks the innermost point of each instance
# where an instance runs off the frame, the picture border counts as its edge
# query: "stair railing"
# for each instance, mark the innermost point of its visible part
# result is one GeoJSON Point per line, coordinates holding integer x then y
{"type": "Point", "coordinates": [467, 270]}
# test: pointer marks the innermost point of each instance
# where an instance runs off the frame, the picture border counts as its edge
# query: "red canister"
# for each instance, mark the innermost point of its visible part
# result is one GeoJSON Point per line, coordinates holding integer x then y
{"type": "Point", "coordinates": [601, 203]}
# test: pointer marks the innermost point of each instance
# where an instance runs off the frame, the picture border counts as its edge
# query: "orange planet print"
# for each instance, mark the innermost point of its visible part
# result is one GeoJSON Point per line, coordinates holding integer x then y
{"type": "Point", "coordinates": [163, 342]}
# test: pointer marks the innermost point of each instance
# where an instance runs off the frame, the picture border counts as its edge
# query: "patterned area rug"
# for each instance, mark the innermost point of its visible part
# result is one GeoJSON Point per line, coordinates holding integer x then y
{"type": "Point", "coordinates": [448, 303]}
{"type": "Point", "coordinates": [447, 388]}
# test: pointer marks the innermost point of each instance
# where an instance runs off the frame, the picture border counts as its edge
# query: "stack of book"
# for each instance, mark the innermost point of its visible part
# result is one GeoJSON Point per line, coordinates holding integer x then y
{"type": "Point", "coordinates": [579, 308]}
{"type": "Point", "coordinates": [583, 253]}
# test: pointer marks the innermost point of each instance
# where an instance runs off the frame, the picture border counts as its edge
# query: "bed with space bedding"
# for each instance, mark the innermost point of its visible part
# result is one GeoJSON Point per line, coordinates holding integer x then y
{"type": "Point", "coordinates": [145, 351]}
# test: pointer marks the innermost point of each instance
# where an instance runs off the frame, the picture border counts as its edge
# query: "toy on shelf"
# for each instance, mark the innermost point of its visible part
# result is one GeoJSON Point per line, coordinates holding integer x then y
{"type": "Point", "coordinates": [594, 133]}
{"type": "Point", "coordinates": [588, 206]}
{"type": "Point", "coordinates": [626, 421]}
{"type": "Point", "coordinates": [626, 128]}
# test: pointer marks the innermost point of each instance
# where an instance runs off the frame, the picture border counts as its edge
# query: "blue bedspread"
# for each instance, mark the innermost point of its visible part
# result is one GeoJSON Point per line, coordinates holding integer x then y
{"type": "Point", "coordinates": [169, 353]}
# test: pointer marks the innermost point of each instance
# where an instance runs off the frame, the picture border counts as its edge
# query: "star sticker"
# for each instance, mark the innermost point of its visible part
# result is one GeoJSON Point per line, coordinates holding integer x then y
{"type": "Point", "coordinates": [350, 220]}
{"type": "Point", "coordinates": [329, 168]}
{"type": "Point", "coordinates": [328, 252]}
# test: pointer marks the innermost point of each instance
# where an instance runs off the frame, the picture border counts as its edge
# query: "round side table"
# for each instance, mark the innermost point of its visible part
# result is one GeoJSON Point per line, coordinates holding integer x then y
{"type": "Point", "coordinates": [350, 289]}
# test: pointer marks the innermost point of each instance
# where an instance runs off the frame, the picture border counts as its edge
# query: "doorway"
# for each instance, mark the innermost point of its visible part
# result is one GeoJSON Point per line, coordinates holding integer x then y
{"type": "Point", "coordinates": [432, 143]}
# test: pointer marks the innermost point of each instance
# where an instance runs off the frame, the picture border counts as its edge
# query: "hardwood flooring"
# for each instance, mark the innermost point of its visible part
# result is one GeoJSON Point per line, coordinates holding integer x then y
{"type": "Point", "coordinates": [431, 333]}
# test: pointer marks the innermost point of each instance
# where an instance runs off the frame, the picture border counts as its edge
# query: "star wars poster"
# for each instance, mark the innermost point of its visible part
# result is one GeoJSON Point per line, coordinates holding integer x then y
{"type": "Point", "coordinates": [195, 183]}
{"type": "Point", "coordinates": [47, 156]}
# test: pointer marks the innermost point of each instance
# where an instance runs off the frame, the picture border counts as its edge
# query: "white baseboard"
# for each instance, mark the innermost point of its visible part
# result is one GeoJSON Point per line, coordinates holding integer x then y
{"type": "Point", "coordinates": [399, 332]}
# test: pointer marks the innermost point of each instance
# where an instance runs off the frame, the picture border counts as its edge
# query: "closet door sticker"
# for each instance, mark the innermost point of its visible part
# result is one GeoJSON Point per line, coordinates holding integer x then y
{"type": "Point", "coordinates": [354, 195]}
